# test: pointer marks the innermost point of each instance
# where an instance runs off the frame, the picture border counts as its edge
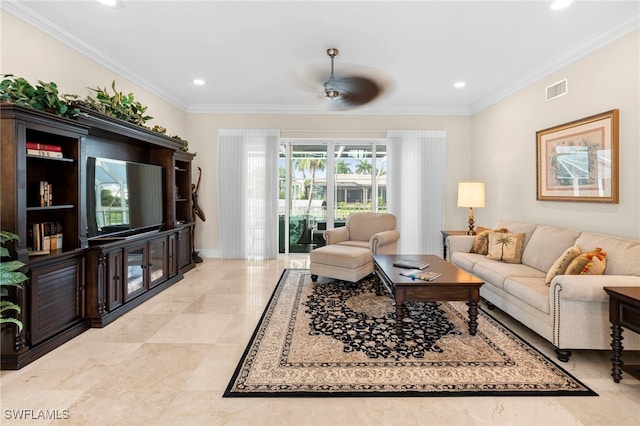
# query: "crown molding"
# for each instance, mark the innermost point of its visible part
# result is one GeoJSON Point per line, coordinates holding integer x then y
{"type": "Point", "coordinates": [318, 110]}
{"type": "Point", "coordinates": [36, 20]}
{"type": "Point", "coordinates": [625, 27]}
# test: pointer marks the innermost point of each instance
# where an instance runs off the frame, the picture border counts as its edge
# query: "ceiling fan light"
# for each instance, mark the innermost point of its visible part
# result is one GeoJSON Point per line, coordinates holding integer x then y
{"type": "Point", "coordinates": [331, 94]}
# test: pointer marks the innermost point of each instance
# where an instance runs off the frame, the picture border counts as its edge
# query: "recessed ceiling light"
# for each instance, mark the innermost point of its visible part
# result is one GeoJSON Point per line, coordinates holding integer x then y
{"type": "Point", "coordinates": [459, 84]}
{"type": "Point", "coordinates": [560, 4]}
{"type": "Point", "coordinates": [198, 82]}
{"type": "Point", "coordinates": [110, 3]}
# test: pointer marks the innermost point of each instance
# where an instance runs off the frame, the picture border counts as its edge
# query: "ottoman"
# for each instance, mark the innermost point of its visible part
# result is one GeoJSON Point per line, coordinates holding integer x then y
{"type": "Point", "coordinates": [341, 262]}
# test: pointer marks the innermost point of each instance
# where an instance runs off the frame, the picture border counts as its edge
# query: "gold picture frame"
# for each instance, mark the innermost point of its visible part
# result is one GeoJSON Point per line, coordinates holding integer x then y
{"type": "Point", "coordinates": [578, 161]}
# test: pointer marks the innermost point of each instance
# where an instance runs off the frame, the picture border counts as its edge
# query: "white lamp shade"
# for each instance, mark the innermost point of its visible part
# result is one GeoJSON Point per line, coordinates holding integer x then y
{"type": "Point", "coordinates": [471, 194]}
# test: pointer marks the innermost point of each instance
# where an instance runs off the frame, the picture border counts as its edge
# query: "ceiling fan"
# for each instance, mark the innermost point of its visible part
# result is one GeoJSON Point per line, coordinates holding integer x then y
{"type": "Point", "coordinates": [349, 89]}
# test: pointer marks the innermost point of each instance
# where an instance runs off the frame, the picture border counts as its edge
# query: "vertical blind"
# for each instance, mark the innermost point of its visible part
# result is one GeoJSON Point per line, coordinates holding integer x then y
{"type": "Point", "coordinates": [415, 188]}
{"type": "Point", "coordinates": [248, 193]}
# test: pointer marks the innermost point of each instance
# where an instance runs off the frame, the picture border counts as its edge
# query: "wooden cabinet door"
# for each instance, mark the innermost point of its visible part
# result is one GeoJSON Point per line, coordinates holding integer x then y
{"type": "Point", "coordinates": [173, 255]}
{"type": "Point", "coordinates": [135, 266]}
{"type": "Point", "coordinates": [115, 280]}
{"type": "Point", "coordinates": [158, 267]}
{"type": "Point", "coordinates": [57, 296]}
{"type": "Point", "coordinates": [184, 247]}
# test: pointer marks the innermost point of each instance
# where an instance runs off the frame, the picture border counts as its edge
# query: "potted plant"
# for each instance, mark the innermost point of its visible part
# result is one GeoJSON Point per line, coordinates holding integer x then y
{"type": "Point", "coordinates": [10, 276]}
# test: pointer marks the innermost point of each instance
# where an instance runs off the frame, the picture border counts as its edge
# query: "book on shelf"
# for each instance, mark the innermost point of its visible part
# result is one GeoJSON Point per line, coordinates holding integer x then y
{"type": "Point", "coordinates": [44, 237]}
{"type": "Point", "coordinates": [45, 191]}
{"type": "Point", "coordinates": [41, 153]}
{"type": "Point", "coordinates": [44, 150]}
{"type": "Point", "coordinates": [410, 264]}
{"type": "Point", "coordinates": [419, 274]}
{"type": "Point", "coordinates": [59, 235]}
{"type": "Point", "coordinates": [44, 147]}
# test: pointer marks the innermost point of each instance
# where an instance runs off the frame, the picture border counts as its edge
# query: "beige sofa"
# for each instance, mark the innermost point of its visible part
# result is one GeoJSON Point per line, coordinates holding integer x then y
{"type": "Point", "coordinates": [573, 311]}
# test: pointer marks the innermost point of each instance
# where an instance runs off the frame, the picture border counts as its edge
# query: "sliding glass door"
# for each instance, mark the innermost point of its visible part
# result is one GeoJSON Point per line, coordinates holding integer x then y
{"type": "Point", "coordinates": [322, 183]}
{"type": "Point", "coordinates": [359, 179]}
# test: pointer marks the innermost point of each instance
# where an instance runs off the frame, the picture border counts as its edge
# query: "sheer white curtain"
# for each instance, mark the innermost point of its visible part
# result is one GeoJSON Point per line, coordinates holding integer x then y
{"type": "Point", "coordinates": [248, 193]}
{"type": "Point", "coordinates": [415, 188]}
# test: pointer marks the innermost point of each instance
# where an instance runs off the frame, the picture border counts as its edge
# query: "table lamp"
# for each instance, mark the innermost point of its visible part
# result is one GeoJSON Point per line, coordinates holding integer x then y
{"type": "Point", "coordinates": [471, 194]}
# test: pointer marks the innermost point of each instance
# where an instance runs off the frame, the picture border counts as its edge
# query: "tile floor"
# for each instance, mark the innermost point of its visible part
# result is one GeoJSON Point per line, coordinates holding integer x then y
{"type": "Point", "coordinates": [168, 362]}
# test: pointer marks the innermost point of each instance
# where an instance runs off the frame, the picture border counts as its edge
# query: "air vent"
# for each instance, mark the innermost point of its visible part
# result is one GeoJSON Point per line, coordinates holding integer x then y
{"type": "Point", "coordinates": [556, 90]}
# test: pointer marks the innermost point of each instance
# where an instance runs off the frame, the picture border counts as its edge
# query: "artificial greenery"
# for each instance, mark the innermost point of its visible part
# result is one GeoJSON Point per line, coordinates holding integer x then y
{"type": "Point", "coordinates": [118, 105]}
{"type": "Point", "coordinates": [10, 276]}
{"type": "Point", "coordinates": [43, 97]}
{"type": "Point", "coordinates": [185, 144]}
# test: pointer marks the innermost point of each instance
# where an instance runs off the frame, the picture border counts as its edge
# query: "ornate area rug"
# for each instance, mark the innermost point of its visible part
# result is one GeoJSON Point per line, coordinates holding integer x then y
{"type": "Point", "coordinates": [338, 339]}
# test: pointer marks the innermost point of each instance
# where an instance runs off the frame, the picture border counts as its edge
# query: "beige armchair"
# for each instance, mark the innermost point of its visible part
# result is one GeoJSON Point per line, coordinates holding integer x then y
{"type": "Point", "coordinates": [375, 231]}
{"type": "Point", "coordinates": [347, 255]}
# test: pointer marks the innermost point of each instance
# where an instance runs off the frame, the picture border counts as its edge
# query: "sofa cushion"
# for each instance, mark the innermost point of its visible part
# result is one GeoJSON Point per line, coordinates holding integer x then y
{"type": "Point", "coordinates": [506, 246]}
{"type": "Point", "coordinates": [547, 243]}
{"type": "Point", "coordinates": [466, 260]}
{"type": "Point", "coordinates": [352, 243]}
{"type": "Point", "coordinates": [518, 227]}
{"type": "Point", "coordinates": [363, 225]}
{"type": "Point", "coordinates": [341, 256]}
{"type": "Point", "coordinates": [497, 272]}
{"type": "Point", "coordinates": [623, 255]}
{"type": "Point", "coordinates": [532, 291]}
{"type": "Point", "coordinates": [583, 264]}
{"type": "Point", "coordinates": [560, 265]}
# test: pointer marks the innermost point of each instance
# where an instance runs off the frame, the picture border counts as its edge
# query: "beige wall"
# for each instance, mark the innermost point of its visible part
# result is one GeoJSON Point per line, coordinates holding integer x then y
{"type": "Point", "coordinates": [504, 142]}
{"type": "Point", "coordinates": [29, 53]}
{"type": "Point", "coordinates": [496, 145]}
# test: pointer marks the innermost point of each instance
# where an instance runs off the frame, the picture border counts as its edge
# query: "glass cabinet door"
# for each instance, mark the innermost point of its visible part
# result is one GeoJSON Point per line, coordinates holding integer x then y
{"type": "Point", "coordinates": [136, 265]}
{"type": "Point", "coordinates": [157, 266]}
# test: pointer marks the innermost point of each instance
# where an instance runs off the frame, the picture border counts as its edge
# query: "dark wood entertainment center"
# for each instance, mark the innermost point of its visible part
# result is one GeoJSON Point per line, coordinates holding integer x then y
{"type": "Point", "coordinates": [89, 282]}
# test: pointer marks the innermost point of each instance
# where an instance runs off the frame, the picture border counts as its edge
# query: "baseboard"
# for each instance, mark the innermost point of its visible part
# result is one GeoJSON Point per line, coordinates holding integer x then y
{"type": "Point", "coordinates": [209, 253]}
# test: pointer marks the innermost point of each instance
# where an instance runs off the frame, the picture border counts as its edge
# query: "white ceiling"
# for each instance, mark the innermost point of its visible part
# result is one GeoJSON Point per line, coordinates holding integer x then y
{"type": "Point", "coordinates": [253, 54]}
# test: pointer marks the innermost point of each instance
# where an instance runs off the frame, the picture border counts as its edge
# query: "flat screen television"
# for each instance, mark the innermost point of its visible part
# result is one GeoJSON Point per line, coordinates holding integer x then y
{"type": "Point", "coordinates": [123, 197]}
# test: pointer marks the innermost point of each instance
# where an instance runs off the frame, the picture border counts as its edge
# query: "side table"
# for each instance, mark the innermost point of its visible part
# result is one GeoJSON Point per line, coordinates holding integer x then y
{"type": "Point", "coordinates": [624, 311]}
{"type": "Point", "coordinates": [445, 234]}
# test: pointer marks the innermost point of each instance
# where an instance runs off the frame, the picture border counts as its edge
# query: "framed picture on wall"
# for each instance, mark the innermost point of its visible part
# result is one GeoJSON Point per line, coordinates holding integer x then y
{"type": "Point", "coordinates": [578, 161]}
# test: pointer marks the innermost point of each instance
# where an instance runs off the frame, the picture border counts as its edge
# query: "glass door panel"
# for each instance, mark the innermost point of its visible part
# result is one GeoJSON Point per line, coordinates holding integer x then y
{"type": "Point", "coordinates": [157, 255]}
{"type": "Point", "coordinates": [307, 195]}
{"type": "Point", "coordinates": [321, 184]}
{"type": "Point", "coordinates": [135, 264]}
{"type": "Point", "coordinates": [353, 181]}
{"type": "Point", "coordinates": [381, 177]}
{"type": "Point", "coordinates": [283, 200]}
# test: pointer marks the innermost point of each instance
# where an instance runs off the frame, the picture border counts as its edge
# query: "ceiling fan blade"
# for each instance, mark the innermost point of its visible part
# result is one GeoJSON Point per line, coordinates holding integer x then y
{"type": "Point", "coordinates": [356, 91]}
{"type": "Point", "coordinates": [349, 87]}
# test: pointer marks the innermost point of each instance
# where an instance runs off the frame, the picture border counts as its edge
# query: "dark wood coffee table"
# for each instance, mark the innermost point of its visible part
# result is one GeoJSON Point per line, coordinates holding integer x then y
{"type": "Point", "coordinates": [455, 284]}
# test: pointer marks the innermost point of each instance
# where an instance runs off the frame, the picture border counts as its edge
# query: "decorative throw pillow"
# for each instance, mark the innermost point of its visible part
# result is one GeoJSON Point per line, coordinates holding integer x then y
{"type": "Point", "coordinates": [594, 267]}
{"type": "Point", "coordinates": [584, 264]}
{"type": "Point", "coordinates": [505, 246]}
{"type": "Point", "coordinates": [560, 265]}
{"type": "Point", "coordinates": [480, 244]}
